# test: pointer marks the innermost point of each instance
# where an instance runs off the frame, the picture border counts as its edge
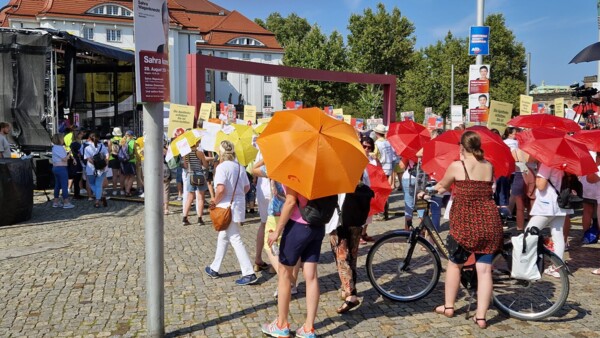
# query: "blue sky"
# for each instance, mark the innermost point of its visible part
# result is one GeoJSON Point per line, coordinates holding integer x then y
{"type": "Point", "coordinates": [553, 31]}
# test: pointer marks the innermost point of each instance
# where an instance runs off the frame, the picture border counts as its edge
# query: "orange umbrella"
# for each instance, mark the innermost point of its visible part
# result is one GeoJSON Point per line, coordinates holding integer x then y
{"type": "Point", "coordinates": [312, 153]}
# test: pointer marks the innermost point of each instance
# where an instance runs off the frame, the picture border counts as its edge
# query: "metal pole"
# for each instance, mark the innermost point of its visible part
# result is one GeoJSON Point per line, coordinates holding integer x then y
{"type": "Point", "coordinates": [479, 58]}
{"type": "Point", "coordinates": [154, 219]}
{"type": "Point", "coordinates": [528, 79]}
{"type": "Point", "coordinates": [598, 7]}
{"type": "Point", "coordinates": [451, 92]}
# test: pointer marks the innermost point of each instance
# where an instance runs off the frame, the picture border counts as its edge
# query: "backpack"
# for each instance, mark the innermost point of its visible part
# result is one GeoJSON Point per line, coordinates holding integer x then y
{"type": "Point", "coordinates": [356, 206]}
{"type": "Point", "coordinates": [319, 211]}
{"type": "Point", "coordinates": [114, 149]}
{"type": "Point", "coordinates": [123, 153]}
{"type": "Point", "coordinates": [98, 159]}
{"type": "Point", "coordinates": [566, 199]}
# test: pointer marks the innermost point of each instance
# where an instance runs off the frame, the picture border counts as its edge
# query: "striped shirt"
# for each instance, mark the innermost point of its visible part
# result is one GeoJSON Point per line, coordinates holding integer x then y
{"type": "Point", "coordinates": [195, 164]}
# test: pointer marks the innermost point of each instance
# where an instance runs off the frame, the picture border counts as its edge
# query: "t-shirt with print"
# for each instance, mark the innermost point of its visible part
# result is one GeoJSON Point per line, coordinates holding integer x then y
{"type": "Point", "coordinates": [545, 201]}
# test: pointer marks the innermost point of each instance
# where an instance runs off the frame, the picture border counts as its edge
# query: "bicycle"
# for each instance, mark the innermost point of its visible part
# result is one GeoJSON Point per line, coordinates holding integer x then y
{"type": "Point", "coordinates": [404, 266]}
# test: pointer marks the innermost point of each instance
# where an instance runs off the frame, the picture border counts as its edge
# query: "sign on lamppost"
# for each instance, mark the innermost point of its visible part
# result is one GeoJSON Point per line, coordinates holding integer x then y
{"type": "Point", "coordinates": [479, 43]}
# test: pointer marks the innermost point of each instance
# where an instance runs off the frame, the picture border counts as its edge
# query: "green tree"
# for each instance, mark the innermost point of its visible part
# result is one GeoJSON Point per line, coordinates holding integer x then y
{"type": "Point", "coordinates": [316, 51]}
{"type": "Point", "coordinates": [286, 30]}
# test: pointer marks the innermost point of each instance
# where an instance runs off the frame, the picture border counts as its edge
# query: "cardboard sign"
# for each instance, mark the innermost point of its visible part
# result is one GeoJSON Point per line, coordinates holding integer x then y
{"type": "Point", "coordinates": [500, 114]}
{"type": "Point", "coordinates": [205, 109]}
{"type": "Point", "coordinates": [181, 118]}
{"type": "Point", "coordinates": [559, 107]}
{"type": "Point", "coordinates": [525, 104]}
{"type": "Point", "coordinates": [347, 118]}
{"type": "Point", "coordinates": [250, 115]}
{"type": "Point", "coordinates": [213, 110]}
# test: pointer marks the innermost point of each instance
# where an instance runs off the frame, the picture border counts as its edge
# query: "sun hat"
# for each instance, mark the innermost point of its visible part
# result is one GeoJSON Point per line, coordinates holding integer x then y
{"type": "Point", "coordinates": [380, 129]}
{"type": "Point", "coordinates": [117, 132]}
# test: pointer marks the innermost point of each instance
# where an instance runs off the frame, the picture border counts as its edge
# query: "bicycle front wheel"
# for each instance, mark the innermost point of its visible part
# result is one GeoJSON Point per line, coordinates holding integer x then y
{"type": "Point", "coordinates": [530, 300]}
{"type": "Point", "coordinates": [393, 278]}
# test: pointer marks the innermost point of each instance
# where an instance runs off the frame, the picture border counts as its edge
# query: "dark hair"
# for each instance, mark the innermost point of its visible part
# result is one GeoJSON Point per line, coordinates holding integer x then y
{"type": "Point", "coordinates": [482, 95]}
{"type": "Point", "coordinates": [508, 131]}
{"type": "Point", "coordinates": [94, 139]}
{"type": "Point", "coordinates": [4, 125]}
{"type": "Point", "coordinates": [483, 67]}
{"type": "Point", "coordinates": [471, 141]}
{"type": "Point", "coordinates": [368, 140]}
{"type": "Point", "coordinates": [496, 131]}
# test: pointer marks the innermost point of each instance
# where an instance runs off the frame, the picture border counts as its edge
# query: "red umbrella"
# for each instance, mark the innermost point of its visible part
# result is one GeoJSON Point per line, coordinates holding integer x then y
{"type": "Point", "coordinates": [444, 149]}
{"type": "Point", "coordinates": [407, 138]}
{"type": "Point", "coordinates": [381, 188]}
{"type": "Point", "coordinates": [544, 120]}
{"type": "Point", "coordinates": [557, 150]}
{"type": "Point", "coordinates": [591, 138]}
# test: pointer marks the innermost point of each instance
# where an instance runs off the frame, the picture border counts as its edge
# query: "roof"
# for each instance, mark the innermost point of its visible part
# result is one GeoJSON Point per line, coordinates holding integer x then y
{"type": "Point", "coordinates": [217, 24]}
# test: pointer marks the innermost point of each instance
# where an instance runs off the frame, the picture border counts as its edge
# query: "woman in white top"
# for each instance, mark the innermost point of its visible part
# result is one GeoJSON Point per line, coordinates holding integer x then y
{"type": "Point", "coordinates": [61, 175]}
{"type": "Point", "coordinates": [95, 176]}
{"type": "Point", "coordinates": [546, 212]}
{"type": "Point", "coordinates": [227, 173]}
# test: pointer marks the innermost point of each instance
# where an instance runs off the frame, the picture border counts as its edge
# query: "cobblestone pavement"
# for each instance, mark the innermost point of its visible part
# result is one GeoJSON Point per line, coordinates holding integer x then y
{"type": "Point", "coordinates": [80, 272]}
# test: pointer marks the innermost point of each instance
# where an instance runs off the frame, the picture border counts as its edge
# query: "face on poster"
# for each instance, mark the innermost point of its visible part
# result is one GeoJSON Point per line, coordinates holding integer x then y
{"type": "Point", "coordinates": [479, 79]}
{"type": "Point", "coordinates": [151, 22]}
{"type": "Point", "coordinates": [481, 101]}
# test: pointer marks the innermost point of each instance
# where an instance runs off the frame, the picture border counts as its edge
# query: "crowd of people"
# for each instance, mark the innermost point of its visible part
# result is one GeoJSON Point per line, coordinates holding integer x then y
{"type": "Point", "coordinates": [292, 244]}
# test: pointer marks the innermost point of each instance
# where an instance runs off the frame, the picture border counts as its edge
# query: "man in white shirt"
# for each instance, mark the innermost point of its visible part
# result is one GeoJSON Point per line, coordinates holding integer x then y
{"type": "Point", "coordinates": [4, 145]}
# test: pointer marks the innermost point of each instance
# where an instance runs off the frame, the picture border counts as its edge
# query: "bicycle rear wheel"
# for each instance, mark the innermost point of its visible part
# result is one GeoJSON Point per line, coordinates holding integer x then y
{"type": "Point", "coordinates": [526, 300]}
{"type": "Point", "coordinates": [385, 263]}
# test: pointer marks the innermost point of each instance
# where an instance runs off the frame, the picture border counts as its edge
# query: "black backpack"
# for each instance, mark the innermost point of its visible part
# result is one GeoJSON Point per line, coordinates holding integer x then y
{"type": "Point", "coordinates": [99, 159]}
{"type": "Point", "coordinates": [319, 211]}
{"type": "Point", "coordinates": [566, 199]}
{"type": "Point", "coordinates": [357, 205]}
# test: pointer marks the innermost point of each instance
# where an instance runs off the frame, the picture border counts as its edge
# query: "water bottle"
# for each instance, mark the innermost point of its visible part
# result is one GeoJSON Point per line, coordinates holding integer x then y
{"type": "Point", "coordinates": [275, 249]}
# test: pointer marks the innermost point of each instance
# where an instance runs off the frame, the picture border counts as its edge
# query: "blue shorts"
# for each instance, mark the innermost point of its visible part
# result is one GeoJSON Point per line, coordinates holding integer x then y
{"type": "Point", "coordinates": [300, 241]}
{"type": "Point", "coordinates": [459, 255]}
{"type": "Point", "coordinates": [179, 175]}
{"type": "Point", "coordinates": [516, 189]}
{"type": "Point", "coordinates": [128, 168]}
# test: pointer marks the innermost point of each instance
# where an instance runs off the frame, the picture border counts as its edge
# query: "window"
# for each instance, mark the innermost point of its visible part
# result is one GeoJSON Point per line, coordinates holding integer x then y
{"type": "Point", "coordinates": [267, 101]}
{"type": "Point", "coordinates": [207, 77]}
{"type": "Point", "coordinates": [113, 35]}
{"type": "Point", "coordinates": [112, 10]}
{"type": "Point", "coordinates": [125, 12]}
{"type": "Point", "coordinates": [223, 55]}
{"type": "Point", "coordinates": [98, 10]}
{"type": "Point", "coordinates": [267, 79]}
{"type": "Point", "coordinates": [88, 33]}
{"type": "Point", "coordinates": [246, 56]}
{"type": "Point", "coordinates": [267, 57]}
{"type": "Point", "coordinates": [245, 42]}
{"type": "Point", "coordinates": [223, 76]}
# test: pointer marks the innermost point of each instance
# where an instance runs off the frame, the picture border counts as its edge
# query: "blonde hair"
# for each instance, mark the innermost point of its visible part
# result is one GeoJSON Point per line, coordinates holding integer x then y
{"type": "Point", "coordinates": [227, 151]}
{"type": "Point", "coordinates": [57, 139]}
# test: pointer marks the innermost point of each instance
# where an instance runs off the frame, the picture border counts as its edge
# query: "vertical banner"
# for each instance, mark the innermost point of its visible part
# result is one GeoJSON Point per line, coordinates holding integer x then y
{"type": "Point", "coordinates": [559, 107]}
{"type": "Point", "coordinates": [205, 109]}
{"type": "Point", "coordinates": [250, 115]}
{"type": "Point", "coordinates": [500, 114]}
{"type": "Point", "coordinates": [213, 110]}
{"type": "Point", "coordinates": [151, 50]}
{"type": "Point", "coordinates": [479, 40]}
{"type": "Point", "coordinates": [479, 93]}
{"type": "Point", "coordinates": [525, 105]}
{"type": "Point", "coordinates": [181, 118]}
{"type": "Point", "coordinates": [456, 116]}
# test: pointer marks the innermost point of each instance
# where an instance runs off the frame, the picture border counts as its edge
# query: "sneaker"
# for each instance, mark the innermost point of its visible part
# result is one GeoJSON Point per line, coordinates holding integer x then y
{"type": "Point", "coordinates": [273, 330]}
{"type": "Point", "coordinates": [179, 198]}
{"type": "Point", "coordinates": [211, 273]}
{"type": "Point", "coordinates": [552, 271]}
{"type": "Point", "coordinates": [122, 192]}
{"type": "Point", "coordinates": [141, 195]}
{"type": "Point", "coordinates": [57, 205]}
{"type": "Point", "coordinates": [247, 280]}
{"type": "Point", "coordinates": [68, 206]}
{"type": "Point", "coordinates": [302, 333]}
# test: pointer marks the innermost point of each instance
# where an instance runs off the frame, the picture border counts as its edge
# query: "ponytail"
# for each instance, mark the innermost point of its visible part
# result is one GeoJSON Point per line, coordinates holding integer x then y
{"type": "Point", "coordinates": [471, 142]}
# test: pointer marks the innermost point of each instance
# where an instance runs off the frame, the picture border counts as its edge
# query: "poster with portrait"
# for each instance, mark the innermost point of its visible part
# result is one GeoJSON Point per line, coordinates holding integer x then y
{"type": "Point", "coordinates": [151, 50]}
{"type": "Point", "coordinates": [479, 105]}
{"type": "Point", "coordinates": [479, 79]}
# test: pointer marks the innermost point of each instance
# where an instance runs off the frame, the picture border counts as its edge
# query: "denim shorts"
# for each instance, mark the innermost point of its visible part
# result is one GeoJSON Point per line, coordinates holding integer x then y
{"type": "Point", "coordinates": [459, 255]}
{"type": "Point", "coordinates": [300, 241]}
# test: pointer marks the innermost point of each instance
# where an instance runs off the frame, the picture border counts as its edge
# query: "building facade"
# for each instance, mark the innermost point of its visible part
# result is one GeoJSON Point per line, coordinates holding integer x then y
{"type": "Point", "coordinates": [196, 26]}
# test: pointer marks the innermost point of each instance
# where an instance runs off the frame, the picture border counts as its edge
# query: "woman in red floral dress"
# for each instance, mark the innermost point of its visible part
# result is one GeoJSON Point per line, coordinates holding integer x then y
{"type": "Point", "coordinates": [475, 225]}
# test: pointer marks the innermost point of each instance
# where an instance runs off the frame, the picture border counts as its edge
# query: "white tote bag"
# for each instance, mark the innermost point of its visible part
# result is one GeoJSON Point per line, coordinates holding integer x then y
{"type": "Point", "coordinates": [524, 256]}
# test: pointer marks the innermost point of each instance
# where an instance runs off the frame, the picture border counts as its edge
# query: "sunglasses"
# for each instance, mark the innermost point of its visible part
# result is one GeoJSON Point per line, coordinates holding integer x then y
{"type": "Point", "coordinates": [367, 146]}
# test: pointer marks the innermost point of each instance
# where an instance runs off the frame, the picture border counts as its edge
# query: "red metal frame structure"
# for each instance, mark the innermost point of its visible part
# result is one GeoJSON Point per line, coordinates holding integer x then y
{"type": "Point", "coordinates": [197, 65]}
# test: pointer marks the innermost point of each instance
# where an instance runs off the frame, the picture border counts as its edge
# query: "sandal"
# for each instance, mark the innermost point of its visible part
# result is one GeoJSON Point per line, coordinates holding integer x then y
{"type": "Point", "coordinates": [261, 267]}
{"type": "Point", "coordinates": [444, 311]}
{"type": "Point", "coordinates": [477, 320]}
{"type": "Point", "coordinates": [367, 238]}
{"type": "Point", "coordinates": [596, 272]}
{"type": "Point", "coordinates": [347, 306]}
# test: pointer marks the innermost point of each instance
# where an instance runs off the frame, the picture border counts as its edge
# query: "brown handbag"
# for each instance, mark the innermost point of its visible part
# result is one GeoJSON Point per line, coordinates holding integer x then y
{"type": "Point", "coordinates": [221, 217]}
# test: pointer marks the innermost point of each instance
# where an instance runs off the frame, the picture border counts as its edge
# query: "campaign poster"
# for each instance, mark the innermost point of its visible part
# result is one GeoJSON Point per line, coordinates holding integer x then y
{"type": "Point", "coordinates": [250, 115]}
{"type": "Point", "coordinates": [480, 103]}
{"type": "Point", "coordinates": [479, 40]}
{"type": "Point", "coordinates": [359, 123]}
{"type": "Point", "coordinates": [372, 123]}
{"type": "Point", "coordinates": [328, 110]}
{"type": "Point", "coordinates": [479, 79]}
{"type": "Point", "coordinates": [151, 50]}
{"type": "Point", "coordinates": [181, 118]}
{"type": "Point", "coordinates": [338, 112]}
{"type": "Point", "coordinates": [293, 104]}
{"type": "Point", "coordinates": [500, 114]}
{"type": "Point", "coordinates": [525, 104]}
{"type": "Point", "coordinates": [407, 115]}
{"type": "Point", "coordinates": [559, 107]}
{"type": "Point", "coordinates": [204, 114]}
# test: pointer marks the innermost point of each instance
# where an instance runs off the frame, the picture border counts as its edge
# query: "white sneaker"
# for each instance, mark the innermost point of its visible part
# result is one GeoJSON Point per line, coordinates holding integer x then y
{"type": "Point", "coordinates": [82, 192]}
{"type": "Point", "coordinates": [68, 206]}
{"type": "Point", "coordinates": [122, 193]}
{"type": "Point", "coordinates": [57, 205]}
{"type": "Point", "coordinates": [275, 293]}
{"type": "Point", "coordinates": [552, 271]}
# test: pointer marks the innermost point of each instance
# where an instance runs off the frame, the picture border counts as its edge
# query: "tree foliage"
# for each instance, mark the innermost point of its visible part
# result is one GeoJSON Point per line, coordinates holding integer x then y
{"type": "Point", "coordinates": [286, 30]}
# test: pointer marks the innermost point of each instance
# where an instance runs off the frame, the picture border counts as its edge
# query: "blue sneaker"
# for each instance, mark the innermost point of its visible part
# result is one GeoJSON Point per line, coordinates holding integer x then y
{"type": "Point", "coordinates": [211, 273]}
{"type": "Point", "coordinates": [301, 333]}
{"type": "Point", "coordinates": [246, 280]}
{"type": "Point", "coordinates": [273, 330]}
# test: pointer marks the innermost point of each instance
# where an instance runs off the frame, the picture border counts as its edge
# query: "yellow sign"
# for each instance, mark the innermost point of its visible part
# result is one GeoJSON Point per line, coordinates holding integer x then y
{"type": "Point", "coordinates": [500, 113]}
{"type": "Point", "coordinates": [525, 105]}
{"type": "Point", "coordinates": [213, 110]}
{"type": "Point", "coordinates": [264, 120]}
{"type": "Point", "coordinates": [181, 118]}
{"type": "Point", "coordinates": [559, 107]}
{"type": "Point", "coordinates": [338, 112]}
{"type": "Point", "coordinates": [348, 119]}
{"type": "Point", "coordinates": [204, 111]}
{"type": "Point", "coordinates": [250, 115]}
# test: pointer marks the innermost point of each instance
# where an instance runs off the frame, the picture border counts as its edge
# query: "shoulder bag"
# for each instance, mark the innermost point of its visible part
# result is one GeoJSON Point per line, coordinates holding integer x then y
{"type": "Point", "coordinates": [197, 178]}
{"type": "Point", "coordinates": [525, 255]}
{"type": "Point", "coordinates": [221, 217]}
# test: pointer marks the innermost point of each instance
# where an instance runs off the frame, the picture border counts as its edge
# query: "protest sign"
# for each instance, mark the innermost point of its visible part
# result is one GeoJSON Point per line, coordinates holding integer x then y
{"type": "Point", "coordinates": [456, 116]}
{"type": "Point", "coordinates": [250, 115]}
{"type": "Point", "coordinates": [500, 114]}
{"type": "Point", "coordinates": [559, 107]}
{"type": "Point", "coordinates": [525, 105]}
{"type": "Point", "coordinates": [213, 110]}
{"type": "Point", "coordinates": [205, 109]}
{"type": "Point", "coordinates": [180, 117]}
{"type": "Point", "coordinates": [347, 118]}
